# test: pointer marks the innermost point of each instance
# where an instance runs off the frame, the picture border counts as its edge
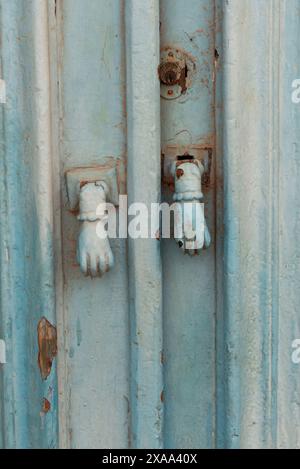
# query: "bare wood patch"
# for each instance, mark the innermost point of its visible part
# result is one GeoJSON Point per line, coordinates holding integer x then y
{"type": "Point", "coordinates": [47, 342]}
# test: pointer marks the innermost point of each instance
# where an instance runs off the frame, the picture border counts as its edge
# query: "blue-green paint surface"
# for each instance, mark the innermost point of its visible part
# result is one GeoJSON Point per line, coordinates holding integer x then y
{"type": "Point", "coordinates": [91, 101]}
{"type": "Point", "coordinates": [27, 272]}
{"type": "Point", "coordinates": [189, 282]}
{"type": "Point", "coordinates": [165, 350]}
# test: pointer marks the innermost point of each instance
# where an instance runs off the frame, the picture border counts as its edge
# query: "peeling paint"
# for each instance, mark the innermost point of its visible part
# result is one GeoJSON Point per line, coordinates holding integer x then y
{"type": "Point", "coordinates": [47, 342]}
{"type": "Point", "coordinates": [2, 92]}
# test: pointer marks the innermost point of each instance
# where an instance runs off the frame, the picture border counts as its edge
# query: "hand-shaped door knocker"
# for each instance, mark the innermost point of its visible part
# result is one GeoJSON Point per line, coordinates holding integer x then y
{"type": "Point", "coordinates": [190, 228]}
{"type": "Point", "coordinates": [94, 254]}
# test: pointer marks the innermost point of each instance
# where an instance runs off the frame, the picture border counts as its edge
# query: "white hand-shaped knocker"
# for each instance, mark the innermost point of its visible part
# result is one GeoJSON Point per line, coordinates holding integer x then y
{"type": "Point", "coordinates": [94, 254]}
{"type": "Point", "coordinates": [190, 228]}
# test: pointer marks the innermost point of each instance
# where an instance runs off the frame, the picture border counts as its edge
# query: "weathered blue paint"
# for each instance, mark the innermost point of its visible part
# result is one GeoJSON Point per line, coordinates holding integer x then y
{"type": "Point", "coordinates": [144, 186]}
{"type": "Point", "coordinates": [27, 266]}
{"type": "Point", "coordinates": [93, 316]}
{"type": "Point", "coordinates": [189, 283]}
{"type": "Point", "coordinates": [287, 374]}
{"type": "Point", "coordinates": [258, 382]}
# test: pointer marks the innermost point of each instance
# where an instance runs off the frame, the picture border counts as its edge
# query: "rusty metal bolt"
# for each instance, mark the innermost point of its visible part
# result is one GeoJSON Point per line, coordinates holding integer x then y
{"type": "Point", "coordinates": [179, 173]}
{"type": "Point", "coordinates": [169, 73]}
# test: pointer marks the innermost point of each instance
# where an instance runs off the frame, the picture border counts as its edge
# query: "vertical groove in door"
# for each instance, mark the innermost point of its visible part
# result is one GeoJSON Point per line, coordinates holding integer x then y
{"type": "Point", "coordinates": [189, 293]}
{"type": "Point", "coordinates": [251, 153]}
{"type": "Point", "coordinates": [144, 179]}
{"type": "Point", "coordinates": [55, 15]}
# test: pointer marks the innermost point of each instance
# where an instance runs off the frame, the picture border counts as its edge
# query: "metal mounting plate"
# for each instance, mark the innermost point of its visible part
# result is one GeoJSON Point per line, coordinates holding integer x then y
{"type": "Point", "coordinates": [173, 153]}
{"type": "Point", "coordinates": [185, 62]}
{"type": "Point", "coordinates": [77, 177]}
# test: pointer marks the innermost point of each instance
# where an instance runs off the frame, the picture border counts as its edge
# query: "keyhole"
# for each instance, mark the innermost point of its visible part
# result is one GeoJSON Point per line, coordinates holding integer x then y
{"type": "Point", "coordinates": [169, 73]}
{"type": "Point", "coordinates": [185, 157]}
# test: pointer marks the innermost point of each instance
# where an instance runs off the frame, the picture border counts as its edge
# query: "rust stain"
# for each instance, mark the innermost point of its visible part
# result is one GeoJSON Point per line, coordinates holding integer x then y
{"type": "Point", "coordinates": [169, 73]}
{"type": "Point", "coordinates": [179, 49]}
{"type": "Point", "coordinates": [162, 396]}
{"type": "Point", "coordinates": [84, 183]}
{"type": "Point", "coordinates": [47, 342]}
{"type": "Point", "coordinates": [46, 406]}
{"type": "Point", "coordinates": [175, 70]}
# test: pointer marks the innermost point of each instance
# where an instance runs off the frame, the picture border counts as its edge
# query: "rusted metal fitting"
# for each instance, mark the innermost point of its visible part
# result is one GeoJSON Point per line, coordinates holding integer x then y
{"type": "Point", "coordinates": [169, 73]}
{"type": "Point", "coordinates": [175, 72]}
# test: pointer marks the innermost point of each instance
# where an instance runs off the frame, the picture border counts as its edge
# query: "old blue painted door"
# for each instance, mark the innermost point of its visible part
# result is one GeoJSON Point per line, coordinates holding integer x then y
{"type": "Point", "coordinates": [165, 350]}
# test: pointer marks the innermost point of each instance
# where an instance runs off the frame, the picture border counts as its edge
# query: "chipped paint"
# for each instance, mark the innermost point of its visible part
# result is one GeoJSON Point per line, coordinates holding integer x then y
{"type": "Point", "coordinates": [176, 71]}
{"type": "Point", "coordinates": [47, 342]}
{"type": "Point", "coordinates": [46, 406]}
